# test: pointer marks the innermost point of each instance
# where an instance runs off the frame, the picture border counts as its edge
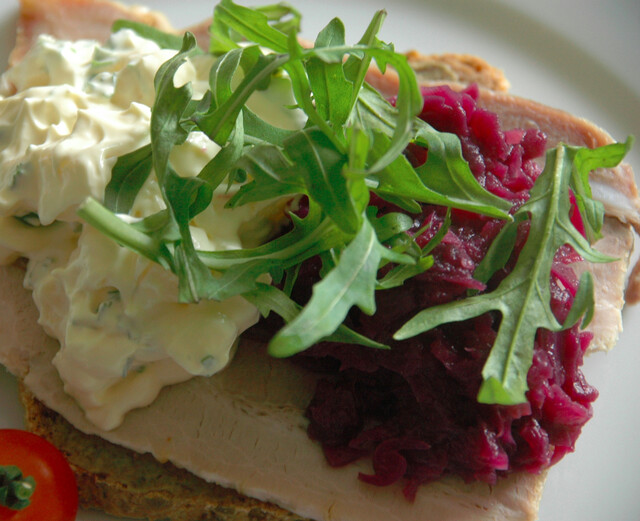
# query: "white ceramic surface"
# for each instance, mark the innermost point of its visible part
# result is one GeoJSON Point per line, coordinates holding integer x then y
{"type": "Point", "coordinates": [580, 55]}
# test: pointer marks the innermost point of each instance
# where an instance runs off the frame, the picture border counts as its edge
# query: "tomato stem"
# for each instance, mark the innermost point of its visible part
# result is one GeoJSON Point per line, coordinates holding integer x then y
{"type": "Point", "coordinates": [15, 489]}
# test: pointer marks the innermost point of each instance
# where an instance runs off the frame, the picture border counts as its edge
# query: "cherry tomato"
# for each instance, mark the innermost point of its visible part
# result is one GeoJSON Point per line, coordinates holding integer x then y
{"type": "Point", "coordinates": [55, 497]}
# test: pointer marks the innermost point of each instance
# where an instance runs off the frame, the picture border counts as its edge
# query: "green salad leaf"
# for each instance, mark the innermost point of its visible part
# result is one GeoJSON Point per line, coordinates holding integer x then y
{"type": "Point", "coordinates": [349, 145]}
{"type": "Point", "coordinates": [164, 39]}
{"type": "Point", "coordinates": [127, 177]}
{"type": "Point", "coordinates": [523, 297]}
{"type": "Point", "coordinates": [351, 282]}
{"type": "Point", "coordinates": [584, 161]}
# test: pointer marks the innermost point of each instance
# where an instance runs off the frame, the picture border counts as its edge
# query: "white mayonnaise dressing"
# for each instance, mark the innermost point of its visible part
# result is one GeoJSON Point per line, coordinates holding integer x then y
{"type": "Point", "coordinates": [68, 110]}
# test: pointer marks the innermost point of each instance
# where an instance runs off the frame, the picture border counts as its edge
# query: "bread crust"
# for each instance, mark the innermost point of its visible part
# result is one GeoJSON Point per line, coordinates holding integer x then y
{"type": "Point", "coordinates": [449, 68]}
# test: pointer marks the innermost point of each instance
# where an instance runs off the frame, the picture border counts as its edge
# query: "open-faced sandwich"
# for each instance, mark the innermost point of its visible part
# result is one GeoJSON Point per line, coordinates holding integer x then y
{"type": "Point", "coordinates": [246, 277]}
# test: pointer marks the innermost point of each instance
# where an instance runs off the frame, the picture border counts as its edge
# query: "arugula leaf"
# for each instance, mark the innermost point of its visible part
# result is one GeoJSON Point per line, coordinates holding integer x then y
{"type": "Point", "coordinates": [449, 182]}
{"type": "Point", "coordinates": [249, 23]}
{"type": "Point", "coordinates": [583, 303]}
{"type": "Point", "coordinates": [127, 177]}
{"type": "Point", "coordinates": [390, 224]}
{"type": "Point", "coordinates": [499, 251]}
{"type": "Point", "coordinates": [223, 72]}
{"type": "Point", "coordinates": [523, 297]}
{"type": "Point", "coordinates": [409, 105]}
{"type": "Point", "coordinates": [170, 104]}
{"type": "Point", "coordinates": [310, 69]}
{"type": "Point", "coordinates": [127, 235]}
{"type": "Point", "coordinates": [309, 237]}
{"type": "Point", "coordinates": [355, 68]}
{"type": "Point", "coordinates": [445, 179]}
{"type": "Point", "coordinates": [217, 169]}
{"type": "Point", "coordinates": [452, 173]}
{"type": "Point", "coordinates": [585, 160]}
{"type": "Point", "coordinates": [183, 196]}
{"type": "Point", "coordinates": [260, 132]}
{"type": "Point", "coordinates": [320, 165]}
{"type": "Point", "coordinates": [272, 175]}
{"type": "Point", "coordinates": [163, 39]}
{"type": "Point", "coordinates": [399, 274]}
{"type": "Point", "coordinates": [219, 122]}
{"type": "Point", "coordinates": [282, 16]}
{"type": "Point", "coordinates": [351, 282]}
{"type": "Point", "coordinates": [269, 298]}
{"type": "Point", "coordinates": [239, 279]}
{"type": "Point", "coordinates": [331, 90]}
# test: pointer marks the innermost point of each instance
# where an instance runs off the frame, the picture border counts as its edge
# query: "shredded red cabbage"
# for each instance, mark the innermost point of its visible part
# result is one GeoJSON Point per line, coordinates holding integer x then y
{"type": "Point", "coordinates": [413, 409]}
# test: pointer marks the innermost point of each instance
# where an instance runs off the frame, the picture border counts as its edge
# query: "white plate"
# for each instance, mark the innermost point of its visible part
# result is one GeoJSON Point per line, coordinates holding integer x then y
{"type": "Point", "coordinates": [580, 55]}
